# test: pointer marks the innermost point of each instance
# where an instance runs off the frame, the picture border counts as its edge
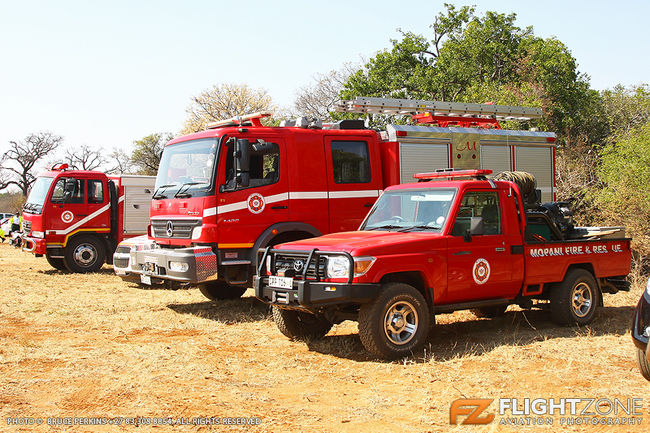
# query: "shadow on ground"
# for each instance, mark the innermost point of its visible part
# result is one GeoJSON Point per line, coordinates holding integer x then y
{"type": "Point", "coordinates": [476, 337]}
{"type": "Point", "coordinates": [242, 310]}
{"type": "Point", "coordinates": [53, 271]}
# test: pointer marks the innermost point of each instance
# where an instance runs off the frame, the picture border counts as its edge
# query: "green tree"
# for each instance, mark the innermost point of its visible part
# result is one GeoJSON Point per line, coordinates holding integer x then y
{"type": "Point", "coordinates": [470, 58]}
{"type": "Point", "coordinates": [625, 176]}
{"type": "Point", "coordinates": [147, 152]}
{"type": "Point", "coordinates": [625, 108]}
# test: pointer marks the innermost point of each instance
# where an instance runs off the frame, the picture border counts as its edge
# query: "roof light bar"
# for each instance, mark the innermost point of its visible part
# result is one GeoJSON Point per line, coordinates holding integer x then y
{"type": "Point", "coordinates": [254, 118]}
{"type": "Point", "coordinates": [445, 173]}
{"type": "Point", "coordinates": [59, 167]}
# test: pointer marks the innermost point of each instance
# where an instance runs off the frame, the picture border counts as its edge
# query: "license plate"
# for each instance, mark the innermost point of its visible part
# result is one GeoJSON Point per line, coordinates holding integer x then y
{"type": "Point", "coordinates": [145, 279]}
{"type": "Point", "coordinates": [281, 282]}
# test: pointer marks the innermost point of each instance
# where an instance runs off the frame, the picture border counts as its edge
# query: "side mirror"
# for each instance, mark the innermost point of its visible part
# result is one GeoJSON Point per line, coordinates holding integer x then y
{"type": "Point", "coordinates": [476, 227]}
{"type": "Point", "coordinates": [242, 162]}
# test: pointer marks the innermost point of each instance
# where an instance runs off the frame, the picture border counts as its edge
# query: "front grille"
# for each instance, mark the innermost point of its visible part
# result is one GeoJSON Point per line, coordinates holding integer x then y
{"type": "Point", "coordinates": [121, 263]}
{"type": "Point", "coordinates": [181, 228]}
{"type": "Point", "coordinates": [27, 227]}
{"type": "Point", "coordinates": [287, 262]}
{"type": "Point", "coordinates": [123, 250]}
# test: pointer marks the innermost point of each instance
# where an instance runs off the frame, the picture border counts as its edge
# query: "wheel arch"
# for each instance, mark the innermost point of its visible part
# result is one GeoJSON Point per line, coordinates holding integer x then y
{"type": "Point", "coordinates": [98, 236]}
{"type": "Point", "coordinates": [412, 278]}
{"type": "Point", "coordinates": [589, 267]}
{"type": "Point", "coordinates": [283, 232]}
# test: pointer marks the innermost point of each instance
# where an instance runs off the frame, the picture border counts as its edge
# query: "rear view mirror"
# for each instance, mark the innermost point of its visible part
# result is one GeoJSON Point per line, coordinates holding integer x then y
{"type": "Point", "coordinates": [476, 227]}
{"type": "Point", "coordinates": [242, 162]}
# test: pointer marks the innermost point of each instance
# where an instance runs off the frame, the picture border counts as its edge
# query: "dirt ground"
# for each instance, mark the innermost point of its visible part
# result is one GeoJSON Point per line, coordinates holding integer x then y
{"type": "Point", "coordinates": [94, 347]}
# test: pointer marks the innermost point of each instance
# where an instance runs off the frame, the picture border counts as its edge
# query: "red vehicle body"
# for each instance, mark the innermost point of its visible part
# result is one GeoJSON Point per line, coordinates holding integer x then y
{"type": "Point", "coordinates": [76, 218]}
{"type": "Point", "coordinates": [223, 193]}
{"type": "Point", "coordinates": [482, 251]}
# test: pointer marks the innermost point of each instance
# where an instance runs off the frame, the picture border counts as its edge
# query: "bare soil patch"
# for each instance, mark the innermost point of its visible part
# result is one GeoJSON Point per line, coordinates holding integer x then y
{"type": "Point", "coordinates": [93, 346]}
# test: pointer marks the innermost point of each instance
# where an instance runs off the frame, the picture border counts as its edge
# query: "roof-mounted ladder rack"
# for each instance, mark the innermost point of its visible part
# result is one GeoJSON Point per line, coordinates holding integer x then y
{"type": "Point", "coordinates": [439, 112]}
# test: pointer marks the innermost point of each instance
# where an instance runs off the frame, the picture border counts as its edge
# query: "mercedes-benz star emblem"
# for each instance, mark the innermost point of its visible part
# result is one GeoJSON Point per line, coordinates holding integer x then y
{"type": "Point", "coordinates": [298, 265]}
{"type": "Point", "coordinates": [170, 229]}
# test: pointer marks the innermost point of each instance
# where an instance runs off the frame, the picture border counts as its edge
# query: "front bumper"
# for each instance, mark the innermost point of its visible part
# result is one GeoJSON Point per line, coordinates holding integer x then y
{"type": "Point", "coordinates": [34, 245]}
{"type": "Point", "coordinates": [311, 295]}
{"type": "Point", "coordinates": [155, 264]}
{"type": "Point", "coordinates": [641, 323]}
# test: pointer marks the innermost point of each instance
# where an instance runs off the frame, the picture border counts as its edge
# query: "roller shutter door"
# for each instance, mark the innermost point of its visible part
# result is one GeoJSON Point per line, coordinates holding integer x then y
{"type": "Point", "coordinates": [421, 158]}
{"type": "Point", "coordinates": [496, 158]}
{"type": "Point", "coordinates": [539, 162]}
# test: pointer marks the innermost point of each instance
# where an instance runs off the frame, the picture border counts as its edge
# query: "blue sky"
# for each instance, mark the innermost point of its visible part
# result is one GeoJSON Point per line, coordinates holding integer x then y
{"type": "Point", "coordinates": [107, 73]}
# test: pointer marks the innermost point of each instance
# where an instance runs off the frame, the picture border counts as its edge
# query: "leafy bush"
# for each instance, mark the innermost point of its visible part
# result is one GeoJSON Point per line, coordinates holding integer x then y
{"type": "Point", "coordinates": [624, 171]}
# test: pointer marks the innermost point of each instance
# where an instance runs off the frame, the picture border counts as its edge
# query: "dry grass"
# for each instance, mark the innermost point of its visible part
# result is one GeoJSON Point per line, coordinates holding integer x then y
{"type": "Point", "coordinates": [92, 345]}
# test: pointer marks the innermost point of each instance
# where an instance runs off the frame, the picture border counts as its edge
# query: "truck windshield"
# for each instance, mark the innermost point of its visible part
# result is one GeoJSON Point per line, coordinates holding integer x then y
{"type": "Point", "coordinates": [186, 169]}
{"type": "Point", "coordinates": [38, 194]}
{"type": "Point", "coordinates": [410, 210]}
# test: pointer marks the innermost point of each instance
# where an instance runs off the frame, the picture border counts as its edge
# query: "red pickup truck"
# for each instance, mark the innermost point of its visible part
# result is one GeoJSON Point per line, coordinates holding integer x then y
{"type": "Point", "coordinates": [461, 242]}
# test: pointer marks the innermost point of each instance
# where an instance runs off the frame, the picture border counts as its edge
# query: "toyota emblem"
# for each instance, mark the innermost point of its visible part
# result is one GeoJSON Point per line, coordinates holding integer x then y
{"type": "Point", "coordinates": [170, 229]}
{"type": "Point", "coordinates": [298, 265]}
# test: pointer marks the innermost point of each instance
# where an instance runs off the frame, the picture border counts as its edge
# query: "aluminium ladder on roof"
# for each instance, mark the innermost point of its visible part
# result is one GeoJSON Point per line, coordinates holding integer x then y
{"type": "Point", "coordinates": [438, 108]}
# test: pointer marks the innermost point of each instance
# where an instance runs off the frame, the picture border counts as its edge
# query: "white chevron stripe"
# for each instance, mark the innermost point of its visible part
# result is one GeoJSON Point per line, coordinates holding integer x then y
{"type": "Point", "coordinates": [85, 220]}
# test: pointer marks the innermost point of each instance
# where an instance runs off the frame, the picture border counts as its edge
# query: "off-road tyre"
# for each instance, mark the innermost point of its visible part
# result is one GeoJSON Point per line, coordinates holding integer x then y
{"type": "Point", "coordinates": [300, 325]}
{"type": "Point", "coordinates": [490, 312]}
{"type": "Point", "coordinates": [84, 254]}
{"type": "Point", "coordinates": [56, 262]}
{"type": "Point", "coordinates": [575, 300]}
{"type": "Point", "coordinates": [219, 290]}
{"type": "Point", "coordinates": [396, 323]}
{"type": "Point", "coordinates": [642, 362]}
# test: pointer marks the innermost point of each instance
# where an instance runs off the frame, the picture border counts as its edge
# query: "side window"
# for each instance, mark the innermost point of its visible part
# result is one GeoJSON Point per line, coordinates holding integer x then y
{"type": "Point", "coordinates": [351, 162]}
{"type": "Point", "coordinates": [484, 204]}
{"type": "Point", "coordinates": [265, 163]}
{"type": "Point", "coordinates": [57, 192]}
{"type": "Point", "coordinates": [264, 168]}
{"type": "Point", "coordinates": [78, 194]}
{"type": "Point", "coordinates": [95, 191]}
{"type": "Point", "coordinates": [76, 197]}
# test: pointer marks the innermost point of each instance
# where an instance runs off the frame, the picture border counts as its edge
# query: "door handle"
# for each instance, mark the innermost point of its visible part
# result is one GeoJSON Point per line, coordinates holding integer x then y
{"type": "Point", "coordinates": [279, 207]}
{"type": "Point", "coordinates": [462, 253]}
{"type": "Point", "coordinates": [499, 249]}
{"type": "Point", "coordinates": [82, 214]}
{"type": "Point", "coordinates": [367, 205]}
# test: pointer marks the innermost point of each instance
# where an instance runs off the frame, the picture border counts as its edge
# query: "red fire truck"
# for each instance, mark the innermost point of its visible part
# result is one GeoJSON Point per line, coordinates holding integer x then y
{"type": "Point", "coordinates": [223, 193]}
{"type": "Point", "coordinates": [437, 247]}
{"type": "Point", "coordinates": [76, 218]}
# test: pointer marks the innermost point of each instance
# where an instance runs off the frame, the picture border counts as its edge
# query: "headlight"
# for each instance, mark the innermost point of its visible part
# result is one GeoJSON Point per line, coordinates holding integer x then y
{"type": "Point", "coordinates": [268, 264]}
{"type": "Point", "coordinates": [178, 266]}
{"type": "Point", "coordinates": [39, 235]}
{"type": "Point", "coordinates": [338, 267]}
{"type": "Point", "coordinates": [362, 265]}
{"type": "Point", "coordinates": [647, 287]}
{"type": "Point", "coordinates": [196, 232]}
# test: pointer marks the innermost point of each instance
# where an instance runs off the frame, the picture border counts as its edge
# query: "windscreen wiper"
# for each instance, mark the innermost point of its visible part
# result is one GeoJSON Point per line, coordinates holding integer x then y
{"type": "Point", "coordinates": [388, 226]}
{"type": "Point", "coordinates": [158, 196]}
{"type": "Point", "coordinates": [420, 226]}
{"type": "Point", "coordinates": [184, 194]}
